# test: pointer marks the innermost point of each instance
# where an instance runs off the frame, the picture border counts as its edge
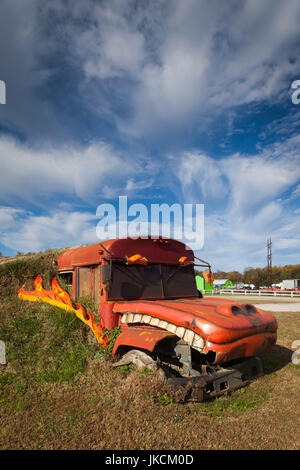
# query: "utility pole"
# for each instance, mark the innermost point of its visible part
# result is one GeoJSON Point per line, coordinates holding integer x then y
{"type": "Point", "coordinates": [269, 261]}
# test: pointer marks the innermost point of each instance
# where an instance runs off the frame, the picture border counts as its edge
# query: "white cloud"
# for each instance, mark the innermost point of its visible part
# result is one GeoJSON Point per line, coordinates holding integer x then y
{"type": "Point", "coordinates": [111, 47]}
{"type": "Point", "coordinates": [171, 92]}
{"type": "Point", "coordinates": [56, 229]}
{"type": "Point", "coordinates": [21, 230]}
{"type": "Point", "coordinates": [8, 217]}
{"type": "Point", "coordinates": [256, 180]}
{"type": "Point", "coordinates": [199, 57]}
{"type": "Point", "coordinates": [296, 192]}
{"type": "Point", "coordinates": [88, 173]}
{"type": "Point", "coordinates": [256, 190]}
{"type": "Point", "coordinates": [232, 243]}
{"type": "Point", "coordinates": [244, 181]}
{"type": "Point", "coordinates": [164, 65]}
{"type": "Point", "coordinates": [22, 46]}
{"type": "Point", "coordinates": [169, 64]}
{"type": "Point", "coordinates": [249, 195]}
{"type": "Point", "coordinates": [197, 169]}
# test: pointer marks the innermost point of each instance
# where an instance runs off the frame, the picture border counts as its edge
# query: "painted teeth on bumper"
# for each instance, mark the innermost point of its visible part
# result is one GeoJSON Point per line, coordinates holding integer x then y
{"type": "Point", "coordinates": [193, 339]}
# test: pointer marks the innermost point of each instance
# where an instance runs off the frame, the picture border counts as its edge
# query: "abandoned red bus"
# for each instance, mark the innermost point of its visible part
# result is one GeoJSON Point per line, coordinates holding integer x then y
{"type": "Point", "coordinates": [148, 288]}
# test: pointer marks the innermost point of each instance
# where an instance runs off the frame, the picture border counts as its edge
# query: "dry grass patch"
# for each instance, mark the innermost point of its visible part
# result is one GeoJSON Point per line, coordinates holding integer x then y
{"type": "Point", "coordinates": [104, 408]}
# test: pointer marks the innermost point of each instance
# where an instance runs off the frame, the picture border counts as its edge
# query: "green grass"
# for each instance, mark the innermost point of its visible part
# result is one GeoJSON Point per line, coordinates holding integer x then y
{"type": "Point", "coordinates": [59, 390]}
{"type": "Point", "coordinates": [124, 370]}
{"type": "Point", "coordinates": [147, 371]}
{"type": "Point", "coordinates": [236, 402]}
{"type": "Point", "coordinates": [15, 273]}
{"type": "Point", "coordinates": [44, 343]}
{"type": "Point", "coordinates": [165, 399]}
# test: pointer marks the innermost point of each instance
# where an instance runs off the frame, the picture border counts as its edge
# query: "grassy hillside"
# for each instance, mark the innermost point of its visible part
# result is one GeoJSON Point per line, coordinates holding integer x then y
{"type": "Point", "coordinates": [57, 391]}
{"type": "Point", "coordinates": [24, 269]}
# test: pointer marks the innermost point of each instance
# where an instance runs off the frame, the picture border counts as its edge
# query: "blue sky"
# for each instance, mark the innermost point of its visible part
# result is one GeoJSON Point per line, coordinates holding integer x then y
{"type": "Point", "coordinates": [162, 101]}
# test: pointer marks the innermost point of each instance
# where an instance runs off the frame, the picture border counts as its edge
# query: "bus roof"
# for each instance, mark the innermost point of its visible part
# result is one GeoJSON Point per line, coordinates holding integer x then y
{"type": "Point", "coordinates": [155, 250]}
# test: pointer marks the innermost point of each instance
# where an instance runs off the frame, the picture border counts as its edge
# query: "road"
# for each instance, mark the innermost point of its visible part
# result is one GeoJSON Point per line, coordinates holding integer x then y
{"type": "Point", "coordinates": [271, 304]}
{"type": "Point", "coordinates": [277, 307]}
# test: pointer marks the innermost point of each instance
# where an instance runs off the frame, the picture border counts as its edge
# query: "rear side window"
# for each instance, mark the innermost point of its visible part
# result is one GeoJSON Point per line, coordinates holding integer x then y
{"type": "Point", "coordinates": [67, 277]}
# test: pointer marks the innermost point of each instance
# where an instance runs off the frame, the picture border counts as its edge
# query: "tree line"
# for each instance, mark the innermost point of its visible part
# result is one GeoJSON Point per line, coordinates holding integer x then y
{"type": "Point", "coordinates": [259, 276]}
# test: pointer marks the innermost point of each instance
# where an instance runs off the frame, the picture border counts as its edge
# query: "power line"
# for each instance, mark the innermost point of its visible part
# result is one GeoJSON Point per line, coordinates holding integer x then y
{"type": "Point", "coordinates": [269, 261]}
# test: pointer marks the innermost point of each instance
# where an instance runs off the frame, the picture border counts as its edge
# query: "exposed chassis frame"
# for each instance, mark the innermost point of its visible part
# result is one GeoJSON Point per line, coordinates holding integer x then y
{"type": "Point", "coordinates": [217, 383]}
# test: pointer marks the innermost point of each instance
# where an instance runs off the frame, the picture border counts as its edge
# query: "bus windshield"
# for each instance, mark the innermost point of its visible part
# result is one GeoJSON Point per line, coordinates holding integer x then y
{"type": "Point", "coordinates": [154, 281]}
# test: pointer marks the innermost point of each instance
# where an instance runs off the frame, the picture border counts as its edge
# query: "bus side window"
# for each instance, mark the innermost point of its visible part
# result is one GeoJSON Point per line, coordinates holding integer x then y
{"type": "Point", "coordinates": [67, 277]}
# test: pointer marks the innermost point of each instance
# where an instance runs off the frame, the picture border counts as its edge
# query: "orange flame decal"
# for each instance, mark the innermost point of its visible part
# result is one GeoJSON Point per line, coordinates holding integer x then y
{"type": "Point", "coordinates": [60, 298]}
{"type": "Point", "coordinates": [185, 261]}
{"type": "Point", "coordinates": [136, 259]}
{"type": "Point", "coordinates": [208, 276]}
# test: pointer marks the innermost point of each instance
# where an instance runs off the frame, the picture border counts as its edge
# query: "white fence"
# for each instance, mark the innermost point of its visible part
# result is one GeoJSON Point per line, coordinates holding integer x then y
{"type": "Point", "coordinates": [260, 293]}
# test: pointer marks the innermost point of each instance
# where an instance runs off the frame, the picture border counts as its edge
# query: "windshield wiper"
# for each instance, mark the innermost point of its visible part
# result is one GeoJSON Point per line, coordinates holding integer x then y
{"type": "Point", "coordinates": [130, 275]}
{"type": "Point", "coordinates": [175, 270]}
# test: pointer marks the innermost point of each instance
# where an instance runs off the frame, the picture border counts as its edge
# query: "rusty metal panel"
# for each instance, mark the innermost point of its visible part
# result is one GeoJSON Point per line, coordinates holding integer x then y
{"type": "Point", "coordinates": [140, 338]}
{"type": "Point", "coordinates": [96, 285]}
{"type": "Point", "coordinates": [156, 251]}
{"type": "Point", "coordinates": [84, 282]}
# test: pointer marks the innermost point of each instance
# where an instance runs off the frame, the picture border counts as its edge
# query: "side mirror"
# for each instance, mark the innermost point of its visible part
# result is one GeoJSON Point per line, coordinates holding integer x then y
{"type": "Point", "coordinates": [105, 273]}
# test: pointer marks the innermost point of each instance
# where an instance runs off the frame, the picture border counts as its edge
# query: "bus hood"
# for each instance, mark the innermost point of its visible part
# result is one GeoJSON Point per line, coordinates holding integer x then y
{"type": "Point", "coordinates": [203, 323]}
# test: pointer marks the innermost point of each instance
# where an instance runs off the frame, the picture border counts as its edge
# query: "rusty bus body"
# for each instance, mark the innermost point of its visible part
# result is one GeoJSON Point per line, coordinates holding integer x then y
{"type": "Point", "coordinates": [158, 308]}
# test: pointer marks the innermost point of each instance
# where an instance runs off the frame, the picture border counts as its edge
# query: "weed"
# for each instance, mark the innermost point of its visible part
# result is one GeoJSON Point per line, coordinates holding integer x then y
{"type": "Point", "coordinates": [111, 336]}
{"type": "Point", "coordinates": [165, 399]}
{"type": "Point", "coordinates": [176, 418]}
{"type": "Point", "coordinates": [88, 304]}
{"type": "Point", "coordinates": [147, 371]}
{"type": "Point", "coordinates": [92, 398]}
{"type": "Point", "coordinates": [7, 378]}
{"type": "Point", "coordinates": [99, 356]}
{"type": "Point", "coordinates": [39, 447]}
{"type": "Point", "coordinates": [123, 370]}
{"type": "Point", "coordinates": [238, 401]}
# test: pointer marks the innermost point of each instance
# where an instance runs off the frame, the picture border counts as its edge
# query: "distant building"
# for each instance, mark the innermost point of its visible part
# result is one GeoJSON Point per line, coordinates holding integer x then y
{"type": "Point", "coordinates": [223, 283]}
{"type": "Point", "coordinates": [291, 284]}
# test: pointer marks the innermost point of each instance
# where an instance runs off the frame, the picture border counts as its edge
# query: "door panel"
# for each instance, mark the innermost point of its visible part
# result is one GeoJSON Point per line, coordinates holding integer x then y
{"type": "Point", "coordinates": [84, 282]}
{"type": "Point", "coordinates": [96, 285]}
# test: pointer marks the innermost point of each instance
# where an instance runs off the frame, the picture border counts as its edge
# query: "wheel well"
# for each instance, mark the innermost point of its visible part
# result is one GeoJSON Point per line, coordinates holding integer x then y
{"type": "Point", "coordinates": [123, 349]}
